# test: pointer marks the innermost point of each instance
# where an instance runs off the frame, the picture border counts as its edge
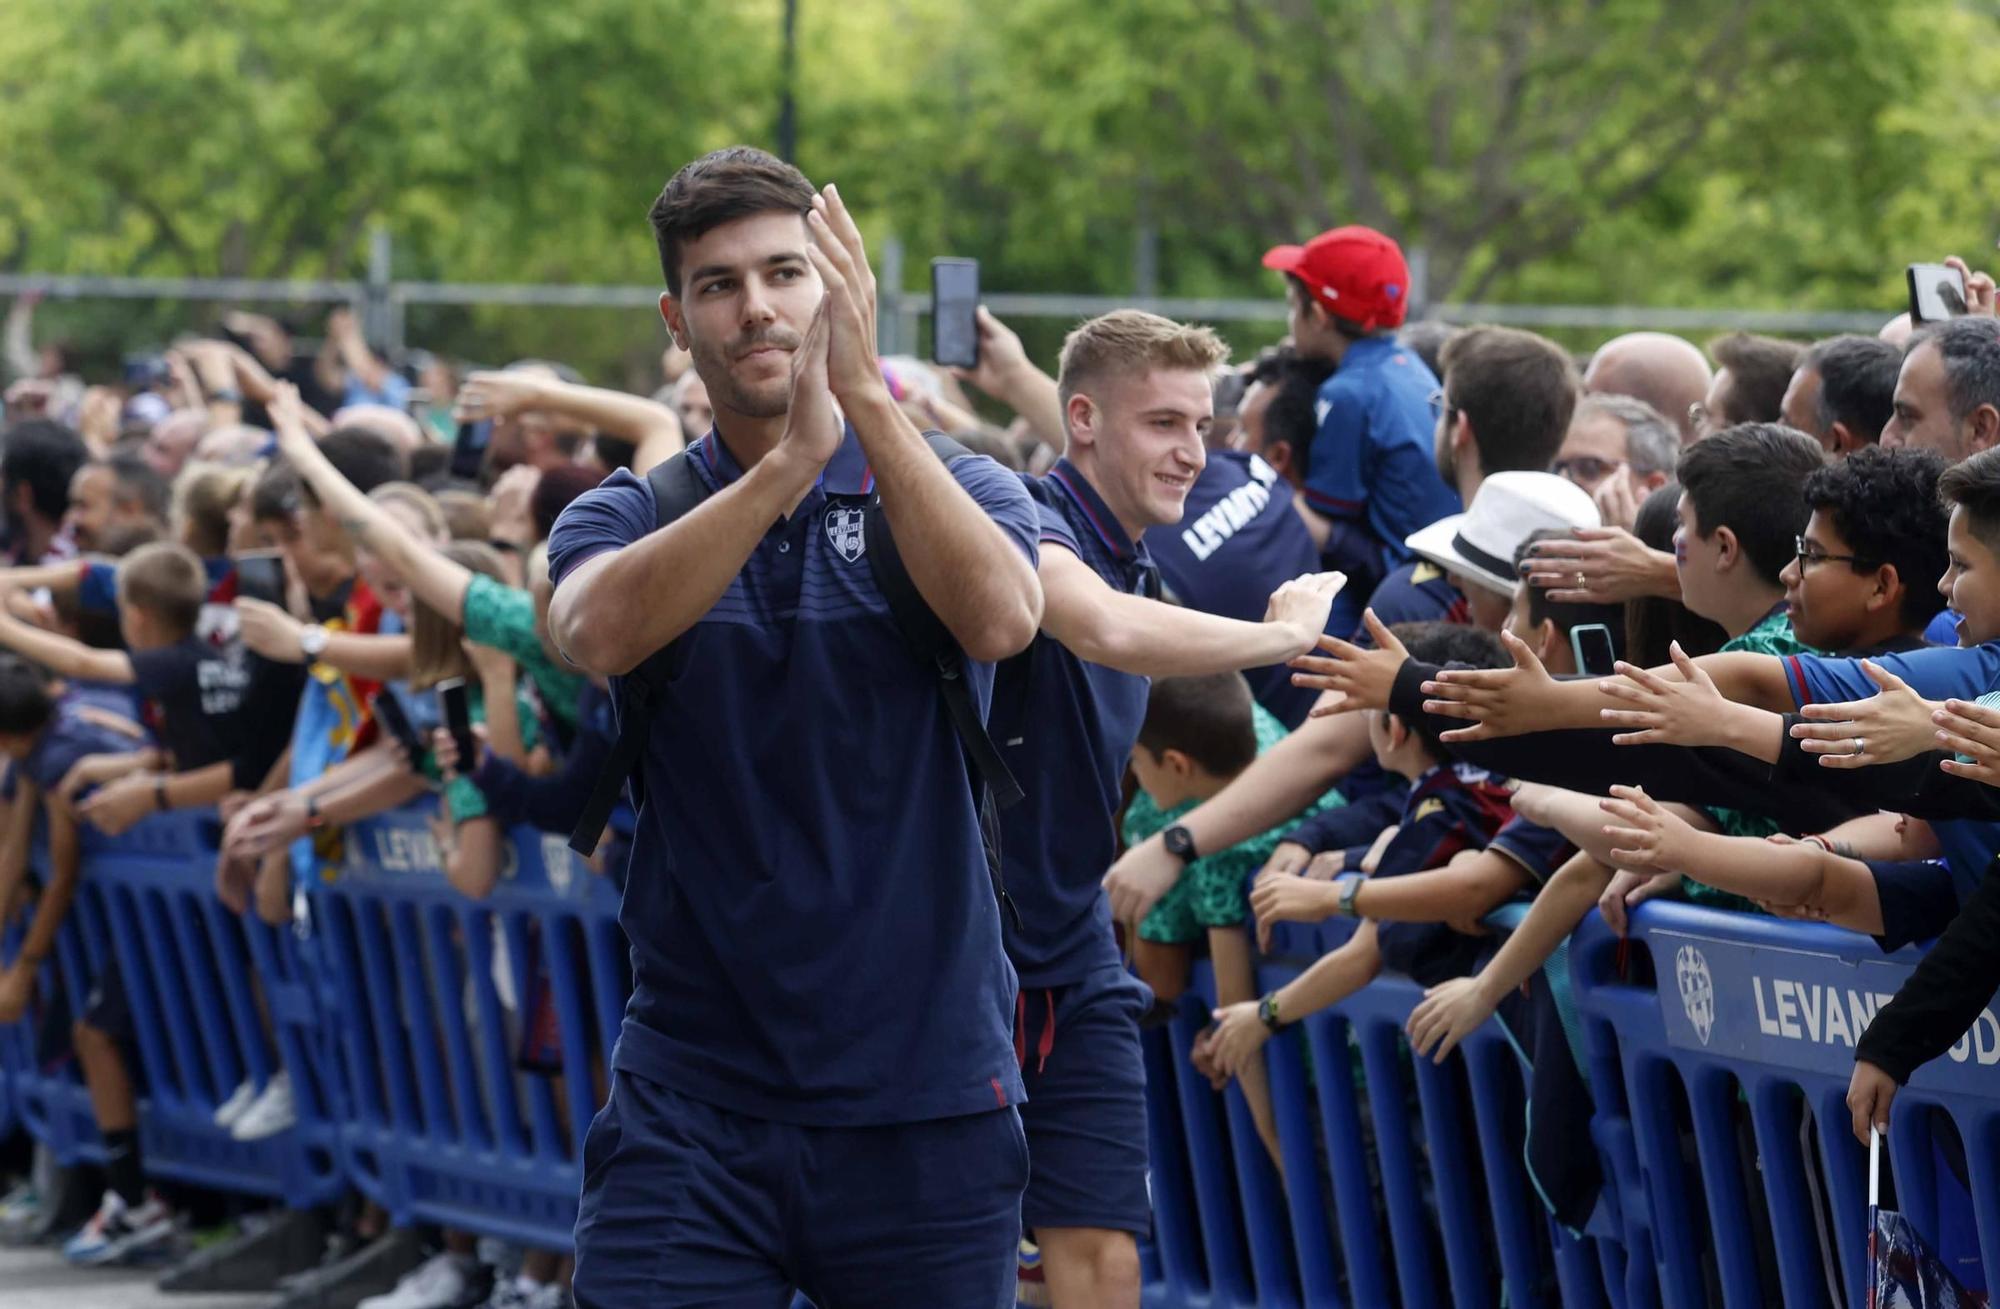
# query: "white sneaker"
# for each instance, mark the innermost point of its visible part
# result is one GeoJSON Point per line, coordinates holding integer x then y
{"type": "Point", "coordinates": [119, 1233]}
{"type": "Point", "coordinates": [273, 1112]}
{"type": "Point", "coordinates": [439, 1282]}
{"type": "Point", "coordinates": [239, 1101]}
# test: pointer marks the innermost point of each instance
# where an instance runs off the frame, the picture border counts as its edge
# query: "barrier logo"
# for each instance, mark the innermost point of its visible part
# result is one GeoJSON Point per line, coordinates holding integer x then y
{"type": "Point", "coordinates": [1697, 990]}
{"type": "Point", "coordinates": [843, 528]}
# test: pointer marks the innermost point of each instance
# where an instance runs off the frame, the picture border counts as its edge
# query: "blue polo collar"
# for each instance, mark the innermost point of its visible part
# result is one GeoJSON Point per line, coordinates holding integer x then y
{"type": "Point", "coordinates": [1099, 515]}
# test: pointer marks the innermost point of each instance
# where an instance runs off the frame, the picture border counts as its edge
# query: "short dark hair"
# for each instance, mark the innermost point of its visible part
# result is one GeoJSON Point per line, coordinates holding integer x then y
{"type": "Point", "coordinates": [553, 492]}
{"type": "Point", "coordinates": [363, 456]}
{"type": "Point", "coordinates": [1565, 615]}
{"type": "Point", "coordinates": [1653, 623]}
{"type": "Point", "coordinates": [43, 455]}
{"type": "Point", "coordinates": [1969, 348]}
{"type": "Point", "coordinates": [1760, 367]}
{"type": "Point", "coordinates": [1209, 719]}
{"type": "Point", "coordinates": [1885, 505]}
{"type": "Point", "coordinates": [1973, 485]}
{"type": "Point", "coordinates": [721, 187]}
{"type": "Point", "coordinates": [1292, 418]}
{"type": "Point", "coordinates": [1751, 479]}
{"type": "Point", "coordinates": [275, 496]}
{"type": "Point", "coordinates": [138, 484]}
{"type": "Point", "coordinates": [1520, 392]}
{"type": "Point", "coordinates": [25, 702]}
{"type": "Point", "coordinates": [166, 580]}
{"type": "Point", "coordinates": [1857, 383]}
{"type": "Point", "coordinates": [1447, 645]}
{"type": "Point", "coordinates": [1426, 338]}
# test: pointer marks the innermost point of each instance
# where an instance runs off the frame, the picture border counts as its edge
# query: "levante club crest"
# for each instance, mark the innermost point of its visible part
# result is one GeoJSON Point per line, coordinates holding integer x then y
{"type": "Point", "coordinates": [843, 529]}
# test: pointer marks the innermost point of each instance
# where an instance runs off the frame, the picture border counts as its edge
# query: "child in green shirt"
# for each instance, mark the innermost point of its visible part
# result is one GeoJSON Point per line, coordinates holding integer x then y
{"type": "Point", "coordinates": [1199, 733]}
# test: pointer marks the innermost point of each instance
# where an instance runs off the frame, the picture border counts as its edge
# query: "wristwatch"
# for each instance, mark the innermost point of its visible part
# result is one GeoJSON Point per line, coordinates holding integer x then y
{"type": "Point", "coordinates": [314, 818]}
{"type": "Point", "coordinates": [1267, 1011]}
{"type": "Point", "coordinates": [1346, 887]}
{"type": "Point", "coordinates": [312, 640]}
{"type": "Point", "coordinates": [1180, 843]}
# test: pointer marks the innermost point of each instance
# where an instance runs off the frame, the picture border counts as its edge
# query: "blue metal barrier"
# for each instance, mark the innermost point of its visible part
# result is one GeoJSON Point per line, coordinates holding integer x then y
{"type": "Point", "coordinates": [1718, 1048]}
{"type": "Point", "coordinates": [1403, 1180]}
{"type": "Point", "coordinates": [1735, 1034]}
{"type": "Point", "coordinates": [429, 993]}
{"type": "Point", "coordinates": [186, 961]}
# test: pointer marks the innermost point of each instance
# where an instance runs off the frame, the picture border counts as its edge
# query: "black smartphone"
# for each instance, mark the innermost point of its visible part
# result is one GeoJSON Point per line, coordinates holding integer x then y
{"type": "Point", "coordinates": [457, 711]}
{"type": "Point", "coordinates": [1594, 650]}
{"type": "Point", "coordinates": [468, 449]}
{"type": "Point", "coordinates": [1936, 292]}
{"type": "Point", "coordinates": [261, 576]}
{"type": "Point", "coordinates": [955, 312]}
{"type": "Point", "coordinates": [389, 712]}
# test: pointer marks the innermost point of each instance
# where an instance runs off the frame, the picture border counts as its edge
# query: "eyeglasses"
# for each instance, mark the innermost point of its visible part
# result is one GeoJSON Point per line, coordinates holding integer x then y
{"type": "Point", "coordinates": [1810, 554]}
{"type": "Point", "coordinates": [1586, 468]}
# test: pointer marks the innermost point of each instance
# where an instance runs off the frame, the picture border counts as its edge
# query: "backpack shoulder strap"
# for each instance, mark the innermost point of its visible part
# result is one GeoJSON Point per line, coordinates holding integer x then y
{"type": "Point", "coordinates": [677, 488]}
{"type": "Point", "coordinates": [931, 641]}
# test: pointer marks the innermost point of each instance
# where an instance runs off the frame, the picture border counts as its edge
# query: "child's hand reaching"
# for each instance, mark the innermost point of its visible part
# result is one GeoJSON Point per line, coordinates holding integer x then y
{"type": "Point", "coordinates": [1651, 836]}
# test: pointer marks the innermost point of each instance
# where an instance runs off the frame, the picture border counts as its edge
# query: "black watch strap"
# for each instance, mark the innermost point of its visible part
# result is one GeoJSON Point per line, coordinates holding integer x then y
{"type": "Point", "coordinates": [1180, 843]}
{"type": "Point", "coordinates": [1267, 1011]}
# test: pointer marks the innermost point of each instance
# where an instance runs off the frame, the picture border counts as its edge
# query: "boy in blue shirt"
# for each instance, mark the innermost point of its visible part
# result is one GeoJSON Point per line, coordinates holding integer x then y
{"type": "Point", "coordinates": [1450, 808]}
{"type": "Point", "coordinates": [1372, 477]}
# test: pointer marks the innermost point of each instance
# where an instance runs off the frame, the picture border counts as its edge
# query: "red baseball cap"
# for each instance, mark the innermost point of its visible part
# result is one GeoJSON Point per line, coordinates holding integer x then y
{"type": "Point", "coordinates": [1357, 273]}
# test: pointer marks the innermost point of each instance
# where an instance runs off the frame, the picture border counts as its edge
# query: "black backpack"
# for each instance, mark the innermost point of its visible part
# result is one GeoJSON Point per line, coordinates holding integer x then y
{"type": "Point", "coordinates": [678, 489]}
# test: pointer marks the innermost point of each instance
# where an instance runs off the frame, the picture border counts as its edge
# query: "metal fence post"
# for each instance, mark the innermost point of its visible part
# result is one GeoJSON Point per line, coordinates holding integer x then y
{"type": "Point", "coordinates": [382, 313]}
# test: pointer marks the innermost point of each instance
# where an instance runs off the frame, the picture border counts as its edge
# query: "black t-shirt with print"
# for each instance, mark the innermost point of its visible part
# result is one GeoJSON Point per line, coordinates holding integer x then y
{"type": "Point", "coordinates": [194, 693]}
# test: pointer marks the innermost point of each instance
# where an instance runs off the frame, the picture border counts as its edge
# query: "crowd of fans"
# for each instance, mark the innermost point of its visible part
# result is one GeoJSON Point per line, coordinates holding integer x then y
{"type": "Point", "coordinates": [219, 569]}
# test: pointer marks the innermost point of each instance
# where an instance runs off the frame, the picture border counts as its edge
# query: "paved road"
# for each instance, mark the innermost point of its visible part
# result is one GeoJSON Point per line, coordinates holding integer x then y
{"type": "Point", "coordinates": [37, 1278]}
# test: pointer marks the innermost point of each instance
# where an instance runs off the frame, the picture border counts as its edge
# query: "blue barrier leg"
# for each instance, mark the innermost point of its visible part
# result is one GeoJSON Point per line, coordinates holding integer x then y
{"type": "Point", "coordinates": [1176, 1234]}
{"type": "Point", "coordinates": [1712, 1095]}
{"type": "Point", "coordinates": [1774, 1112]}
{"type": "Point", "coordinates": [460, 1069]}
{"type": "Point", "coordinates": [1449, 1142]}
{"type": "Point", "coordinates": [1353, 1191]}
{"type": "Point", "coordinates": [1311, 1224]}
{"type": "Point", "coordinates": [1201, 1119]}
{"type": "Point", "coordinates": [1410, 1226]}
{"type": "Point", "coordinates": [1499, 1113]}
{"type": "Point", "coordinates": [227, 937]}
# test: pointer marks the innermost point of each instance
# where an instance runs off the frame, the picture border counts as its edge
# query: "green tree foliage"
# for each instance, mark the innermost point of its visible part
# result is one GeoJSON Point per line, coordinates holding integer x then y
{"type": "Point", "coordinates": [1683, 152]}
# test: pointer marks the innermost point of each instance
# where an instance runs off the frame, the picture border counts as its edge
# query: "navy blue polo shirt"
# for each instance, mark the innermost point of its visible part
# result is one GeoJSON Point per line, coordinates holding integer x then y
{"type": "Point", "coordinates": [1239, 539]}
{"type": "Point", "coordinates": [1451, 808]}
{"type": "Point", "coordinates": [814, 933]}
{"type": "Point", "coordinates": [1067, 729]}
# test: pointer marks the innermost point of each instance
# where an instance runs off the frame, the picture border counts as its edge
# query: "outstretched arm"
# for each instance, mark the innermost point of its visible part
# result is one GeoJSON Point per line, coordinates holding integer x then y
{"type": "Point", "coordinates": [437, 581]}
{"type": "Point", "coordinates": [1451, 1010]}
{"type": "Point", "coordinates": [1524, 698]}
{"type": "Point", "coordinates": [1006, 373]}
{"type": "Point", "coordinates": [1135, 635]}
{"type": "Point", "coordinates": [1239, 1032]}
{"type": "Point", "coordinates": [1779, 872]}
{"type": "Point", "coordinates": [651, 428]}
{"type": "Point", "coordinates": [64, 656]}
{"type": "Point", "coordinates": [1279, 783]}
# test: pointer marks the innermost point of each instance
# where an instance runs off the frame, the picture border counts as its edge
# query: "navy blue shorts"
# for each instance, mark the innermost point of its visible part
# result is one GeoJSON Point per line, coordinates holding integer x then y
{"type": "Point", "coordinates": [688, 1204]}
{"type": "Point", "coordinates": [1086, 1109]}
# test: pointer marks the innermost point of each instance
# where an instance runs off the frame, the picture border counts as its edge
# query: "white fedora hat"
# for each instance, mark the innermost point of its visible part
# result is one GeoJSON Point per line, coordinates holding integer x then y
{"type": "Point", "coordinates": [1509, 508]}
